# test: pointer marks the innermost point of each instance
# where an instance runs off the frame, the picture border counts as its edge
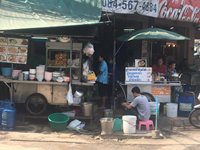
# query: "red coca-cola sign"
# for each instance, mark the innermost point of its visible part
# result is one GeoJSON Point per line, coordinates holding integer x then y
{"type": "Point", "coordinates": [183, 10]}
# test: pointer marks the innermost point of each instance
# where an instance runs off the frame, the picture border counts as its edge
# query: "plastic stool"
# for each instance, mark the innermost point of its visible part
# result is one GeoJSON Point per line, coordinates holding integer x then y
{"type": "Point", "coordinates": [147, 124]}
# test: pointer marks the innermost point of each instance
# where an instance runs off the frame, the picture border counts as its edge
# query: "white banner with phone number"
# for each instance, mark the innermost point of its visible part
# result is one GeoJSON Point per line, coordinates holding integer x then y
{"type": "Point", "coordinates": [142, 7]}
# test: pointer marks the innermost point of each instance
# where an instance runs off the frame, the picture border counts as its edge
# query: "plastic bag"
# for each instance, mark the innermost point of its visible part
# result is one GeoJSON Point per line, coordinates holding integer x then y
{"type": "Point", "coordinates": [198, 97]}
{"type": "Point", "coordinates": [85, 68]}
{"type": "Point", "coordinates": [91, 76]}
{"type": "Point", "coordinates": [88, 49]}
{"type": "Point", "coordinates": [69, 96]}
{"type": "Point", "coordinates": [76, 125]}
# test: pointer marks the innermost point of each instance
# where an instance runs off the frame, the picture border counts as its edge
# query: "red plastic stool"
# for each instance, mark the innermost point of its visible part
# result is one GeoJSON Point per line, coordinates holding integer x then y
{"type": "Point", "coordinates": [147, 124]}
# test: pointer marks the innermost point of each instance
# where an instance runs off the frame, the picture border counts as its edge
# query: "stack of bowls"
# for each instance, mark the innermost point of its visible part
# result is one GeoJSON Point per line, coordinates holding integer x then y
{"type": "Point", "coordinates": [40, 73]}
{"type": "Point", "coordinates": [66, 79]}
{"type": "Point", "coordinates": [25, 75]}
{"type": "Point", "coordinates": [32, 74]}
{"type": "Point", "coordinates": [48, 76]}
{"type": "Point", "coordinates": [56, 75]}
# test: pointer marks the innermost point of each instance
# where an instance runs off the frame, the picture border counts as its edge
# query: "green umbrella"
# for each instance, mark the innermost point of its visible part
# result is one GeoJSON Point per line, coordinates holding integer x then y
{"type": "Point", "coordinates": [152, 34]}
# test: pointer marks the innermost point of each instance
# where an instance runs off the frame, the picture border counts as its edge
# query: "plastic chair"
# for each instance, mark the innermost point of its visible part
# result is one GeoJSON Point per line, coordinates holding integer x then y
{"type": "Point", "coordinates": [147, 124]}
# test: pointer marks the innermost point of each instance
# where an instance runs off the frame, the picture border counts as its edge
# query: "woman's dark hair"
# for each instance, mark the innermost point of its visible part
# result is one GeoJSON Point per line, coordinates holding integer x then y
{"type": "Point", "coordinates": [135, 90]}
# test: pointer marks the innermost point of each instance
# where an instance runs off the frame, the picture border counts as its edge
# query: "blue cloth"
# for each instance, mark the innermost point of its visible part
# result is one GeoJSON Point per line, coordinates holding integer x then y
{"type": "Point", "coordinates": [103, 76]}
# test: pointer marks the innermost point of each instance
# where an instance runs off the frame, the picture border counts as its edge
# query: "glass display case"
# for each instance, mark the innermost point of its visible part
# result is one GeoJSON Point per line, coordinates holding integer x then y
{"type": "Point", "coordinates": [64, 58]}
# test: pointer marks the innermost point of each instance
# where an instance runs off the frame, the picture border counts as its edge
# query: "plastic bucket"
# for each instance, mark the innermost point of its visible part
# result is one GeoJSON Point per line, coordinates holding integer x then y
{"type": "Point", "coordinates": [129, 124]}
{"type": "Point", "coordinates": [172, 109]}
{"type": "Point", "coordinates": [87, 109]}
{"type": "Point", "coordinates": [6, 71]}
{"type": "Point", "coordinates": [153, 108]}
{"type": "Point", "coordinates": [185, 103]}
{"type": "Point", "coordinates": [117, 125]}
{"type": "Point", "coordinates": [8, 116]}
{"type": "Point", "coordinates": [106, 125]}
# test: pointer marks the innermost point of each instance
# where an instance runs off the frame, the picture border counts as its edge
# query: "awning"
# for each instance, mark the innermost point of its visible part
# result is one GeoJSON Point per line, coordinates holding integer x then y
{"type": "Point", "coordinates": [27, 14]}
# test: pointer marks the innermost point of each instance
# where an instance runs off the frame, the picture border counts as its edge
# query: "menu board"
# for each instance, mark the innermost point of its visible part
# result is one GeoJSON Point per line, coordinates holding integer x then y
{"type": "Point", "coordinates": [163, 93]}
{"type": "Point", "coordinates": [138, 75]}
{"type": "Point", "coordinates": [13, 50]}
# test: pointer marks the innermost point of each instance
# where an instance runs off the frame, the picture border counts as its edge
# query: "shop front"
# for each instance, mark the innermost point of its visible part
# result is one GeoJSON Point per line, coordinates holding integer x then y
{"type": "Point", "coordinates": [42, 68]}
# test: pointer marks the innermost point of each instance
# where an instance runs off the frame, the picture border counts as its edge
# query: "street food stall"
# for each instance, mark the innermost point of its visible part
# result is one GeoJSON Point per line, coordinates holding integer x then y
{"type": "Point", "coordinates": [47, 83]}
{"type": "Point", "coordinates": [142, 77]}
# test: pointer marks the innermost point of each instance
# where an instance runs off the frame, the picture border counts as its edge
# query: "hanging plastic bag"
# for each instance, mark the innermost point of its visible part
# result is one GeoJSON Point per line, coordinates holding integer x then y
{"type": "Point", "coordinates": [69, 96]}
{"type": "Point", "coordinates": [198, 97]}
{"type": "Point", "coordinates": [88, 49]}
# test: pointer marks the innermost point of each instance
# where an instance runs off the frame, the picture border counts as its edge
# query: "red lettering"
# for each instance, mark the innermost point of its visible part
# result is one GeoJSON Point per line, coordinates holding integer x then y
{"type": "Point", "coordinates": [181, 12]}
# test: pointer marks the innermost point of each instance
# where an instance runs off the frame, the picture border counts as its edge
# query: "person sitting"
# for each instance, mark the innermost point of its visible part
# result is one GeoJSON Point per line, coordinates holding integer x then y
{"type": "Point", "coordinates": [140, 102]}
{"type": "Point", "coordinates": [160, 67]}
{"type": "Point", "coordinates": [171, 69]}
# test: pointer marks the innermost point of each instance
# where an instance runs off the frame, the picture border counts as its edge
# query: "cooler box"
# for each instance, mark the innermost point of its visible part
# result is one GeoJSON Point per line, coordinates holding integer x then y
{"type": "Point", "coordinates": [185, 103]}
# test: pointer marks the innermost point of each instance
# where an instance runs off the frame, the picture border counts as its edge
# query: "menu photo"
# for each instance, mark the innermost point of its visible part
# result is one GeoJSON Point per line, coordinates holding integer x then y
{"type": "Point", "coordinates": [141, 62]}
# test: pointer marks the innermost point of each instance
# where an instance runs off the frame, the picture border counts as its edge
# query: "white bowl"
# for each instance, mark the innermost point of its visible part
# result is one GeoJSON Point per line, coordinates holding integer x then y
{"type": "Point", "coordinates": [59, 79]}
{"type": "Point", "coordinates": [32, 71]}
{"type": "Point", "coordinates": [78, 94]}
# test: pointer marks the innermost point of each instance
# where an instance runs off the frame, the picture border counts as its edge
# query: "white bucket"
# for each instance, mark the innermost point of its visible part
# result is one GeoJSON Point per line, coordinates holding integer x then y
{"type": "Point", "coordinates": [129, 124]}
{"type": "Point", "coordinates": [172, 109]}
{"type": "Point", "coordinates": [153, 108]}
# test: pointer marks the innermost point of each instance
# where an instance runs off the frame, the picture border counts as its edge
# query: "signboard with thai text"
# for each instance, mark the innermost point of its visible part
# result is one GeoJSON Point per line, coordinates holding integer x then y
{"type": "Point", "coordinates": [183, 10]}
{"type": "Point", "coordinates": [142, 7]}
{"type": "Point", "coordinates": [138, 75]}
{"type": "Point", "coordinates": [163, 93]}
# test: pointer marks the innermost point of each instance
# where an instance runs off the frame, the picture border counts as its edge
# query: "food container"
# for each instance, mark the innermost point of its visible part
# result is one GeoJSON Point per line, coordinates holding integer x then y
{"type": "Point", "coordinates": [66, 79]}
{"type": "Point", "coordinates": [32, 71]}
{"type": "Point", "coordinates": [25, 75]}
{"type": "Point", "coordinates": [59, 79]}
{"type": "Point", "coordinates": [15, 74]}
{"type": "Point", "coordinates": [48, 76]}
{"type": "Point", "coordinates": [6, 71]}
{"type": "Point", "coordinates": [32, 76]}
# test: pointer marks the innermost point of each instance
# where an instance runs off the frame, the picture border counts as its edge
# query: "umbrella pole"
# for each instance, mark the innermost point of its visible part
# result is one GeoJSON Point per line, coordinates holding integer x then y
{"type": "Point", "coordinates": [114, 62]}
{"type": "Point", "coordinates": [151, 47]}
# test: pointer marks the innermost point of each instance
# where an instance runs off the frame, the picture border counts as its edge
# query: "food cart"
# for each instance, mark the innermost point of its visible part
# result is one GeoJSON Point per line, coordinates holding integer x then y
{"type": "Point", "coordinates": [142, 77]}
{"type": "Point", "coordinates": [63, 60]}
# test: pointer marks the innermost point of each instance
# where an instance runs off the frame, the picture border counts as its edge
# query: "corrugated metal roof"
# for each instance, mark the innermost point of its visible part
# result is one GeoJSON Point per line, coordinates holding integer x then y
{"type": "Point", "coordinates": [25, 14]}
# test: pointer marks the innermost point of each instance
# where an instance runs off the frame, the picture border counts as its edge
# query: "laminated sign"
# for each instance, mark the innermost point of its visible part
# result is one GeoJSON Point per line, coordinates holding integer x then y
{"type": "Point", "coordinates": [13, 50]}
{"type": "Point", "coordinates": [138, 75]}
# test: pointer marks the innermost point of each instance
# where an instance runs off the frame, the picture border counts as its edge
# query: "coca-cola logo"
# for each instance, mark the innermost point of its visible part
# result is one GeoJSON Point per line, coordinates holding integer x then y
{"type": "Point", "coordinates": [184, 10]}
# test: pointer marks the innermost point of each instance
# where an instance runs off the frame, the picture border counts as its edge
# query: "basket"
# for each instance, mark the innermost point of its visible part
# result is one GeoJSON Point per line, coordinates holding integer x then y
{"type": "Point", "coordinates": [58, 121]}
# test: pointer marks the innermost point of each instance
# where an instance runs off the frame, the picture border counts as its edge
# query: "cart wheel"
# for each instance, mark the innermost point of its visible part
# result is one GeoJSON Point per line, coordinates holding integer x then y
{"type": "Point", "coordinates": [36, 104]}
{"type": "Point", "coordinates": [149, 96]}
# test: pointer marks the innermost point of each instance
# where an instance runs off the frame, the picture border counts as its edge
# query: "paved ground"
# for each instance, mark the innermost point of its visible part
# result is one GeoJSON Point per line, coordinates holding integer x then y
{"type": "Point", "coordinates": [177, 134]}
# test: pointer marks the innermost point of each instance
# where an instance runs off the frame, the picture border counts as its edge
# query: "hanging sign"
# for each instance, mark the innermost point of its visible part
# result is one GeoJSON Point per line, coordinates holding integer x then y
{"type": "Point", "coordinates": [142, 7]}
{"type": "Point", "coordinates": [138, 75]}
{"type": "Point", "coordinates": [13, 50]}
{"type": "Point", "coordinates": [183, 10]}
